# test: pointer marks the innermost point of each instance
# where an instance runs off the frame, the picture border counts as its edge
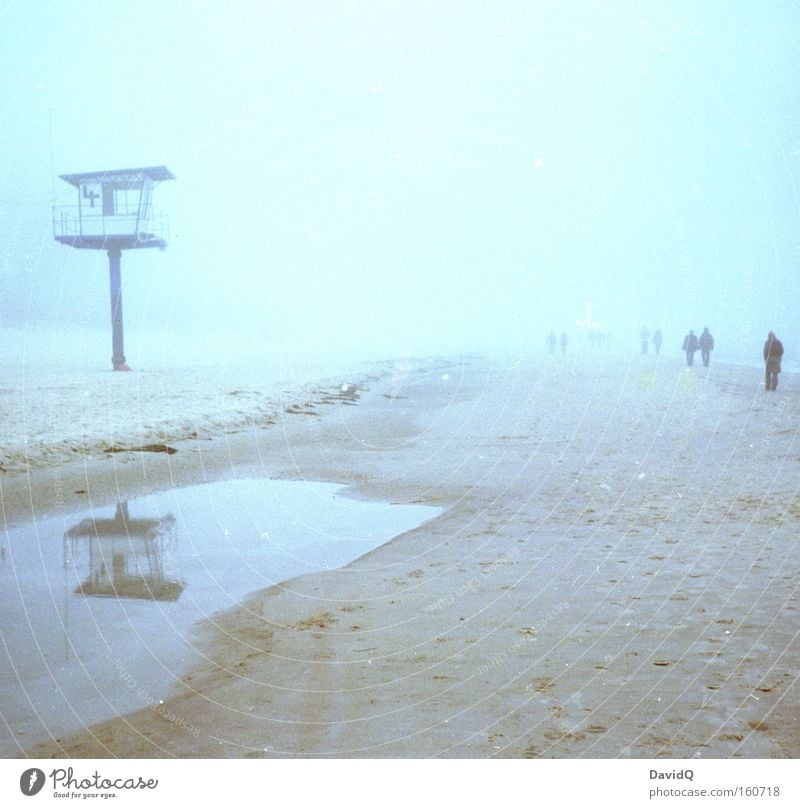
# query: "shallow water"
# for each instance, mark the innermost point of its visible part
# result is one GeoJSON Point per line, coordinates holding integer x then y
{"type": "Point", "coordinates": [98, 607]}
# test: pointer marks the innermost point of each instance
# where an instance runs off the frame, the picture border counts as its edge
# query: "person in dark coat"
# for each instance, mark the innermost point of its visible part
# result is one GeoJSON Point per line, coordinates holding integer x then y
{"type": "Point", "coordinates": [657, 339]}
{"type": "Point", "coordinates": [773, 351]}
{"type": "Point", "coordinates": [690, 345]}
{"type": "Point", "coordinates": [644, 336]}
{"type": "Point", "coordinates": [563, 341]}
{"type": "Point", "coordinates": [706, 346]}
{"type": "Point", "coordinates": [551, 341]}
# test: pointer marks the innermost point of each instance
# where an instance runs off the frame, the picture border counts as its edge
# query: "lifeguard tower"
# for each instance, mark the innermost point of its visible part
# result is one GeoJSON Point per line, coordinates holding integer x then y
{"type": "Point", "coordinates": [114, 213]}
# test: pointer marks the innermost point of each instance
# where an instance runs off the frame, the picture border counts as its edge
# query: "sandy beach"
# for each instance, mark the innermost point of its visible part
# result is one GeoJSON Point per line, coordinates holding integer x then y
{"type": "Point", "coordinates": [614, 573]}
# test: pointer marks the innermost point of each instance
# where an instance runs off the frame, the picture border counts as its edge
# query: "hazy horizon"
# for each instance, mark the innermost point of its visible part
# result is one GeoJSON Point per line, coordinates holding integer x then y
{"type": "Point", "coordinates": [410, 179]}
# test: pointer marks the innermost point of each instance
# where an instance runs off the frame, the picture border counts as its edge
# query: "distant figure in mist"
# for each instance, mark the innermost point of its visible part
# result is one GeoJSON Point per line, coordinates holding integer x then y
{"type": "Point", "coordinates": [690, 345]}
{"type": "Point", "coordinates": [706, 346]}
{"type": "Point", "coordinates": [657, 340]}
{"type": "Point", "coordinates": [551, 341]}
{"type": "Point", "coordinates": [644, 336]}
{"type": "Point", "coordinates": [563, 342]}
{"type": "Point", "coordinates": [773, 351]}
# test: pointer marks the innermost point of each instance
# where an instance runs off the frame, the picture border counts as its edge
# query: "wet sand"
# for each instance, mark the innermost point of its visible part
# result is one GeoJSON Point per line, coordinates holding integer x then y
{"type": "Point", "coordinates": [615, 573]}
{"type": "Point", "coordinates": [100, 606]}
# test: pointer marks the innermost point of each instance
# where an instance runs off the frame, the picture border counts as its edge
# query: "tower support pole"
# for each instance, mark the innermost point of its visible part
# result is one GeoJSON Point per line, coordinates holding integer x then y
{"type": "Point", "coordinates": [115, 279]}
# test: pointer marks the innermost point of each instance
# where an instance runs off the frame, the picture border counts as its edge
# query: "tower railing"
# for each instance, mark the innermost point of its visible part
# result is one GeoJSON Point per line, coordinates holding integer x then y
{"type": "Point", "coordinates": [70, 222]}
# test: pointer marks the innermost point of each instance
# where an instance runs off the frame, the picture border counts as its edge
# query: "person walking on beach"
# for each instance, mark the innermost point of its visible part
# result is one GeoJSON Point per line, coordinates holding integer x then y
{"type": "Point", "coordinates": [690, 345]}
{"type": "Point", "coordinates": [706, 346]}
{"type": "Point", "coordinates": [551, 341]}
{"type": "Point", "coordinates": [657, 340]}
{"type": "Point", "coordinates": [773, 351]}
{"type": "Point", "coordinates": [644, 336]}
{"type": "Point", "coordinates": [563, 340]}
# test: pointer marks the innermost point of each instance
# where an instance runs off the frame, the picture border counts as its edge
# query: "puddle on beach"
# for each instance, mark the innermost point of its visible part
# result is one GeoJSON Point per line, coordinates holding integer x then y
{"type": "Point", "coordinates": [99, 607]}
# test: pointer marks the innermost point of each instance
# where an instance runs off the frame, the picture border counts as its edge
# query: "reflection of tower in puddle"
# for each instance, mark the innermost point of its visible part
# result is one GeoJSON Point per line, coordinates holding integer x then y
{"type": "Point", "coordinates": [126, 556]}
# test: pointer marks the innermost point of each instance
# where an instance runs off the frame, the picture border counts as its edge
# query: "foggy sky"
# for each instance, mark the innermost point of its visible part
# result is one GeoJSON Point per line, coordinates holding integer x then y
{"type": "Point", "coordinates": [410, 177]}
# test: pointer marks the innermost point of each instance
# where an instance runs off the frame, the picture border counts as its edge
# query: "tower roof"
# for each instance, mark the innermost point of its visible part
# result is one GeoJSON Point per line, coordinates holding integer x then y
{"type": "Point", "coordinates": [154, 173]}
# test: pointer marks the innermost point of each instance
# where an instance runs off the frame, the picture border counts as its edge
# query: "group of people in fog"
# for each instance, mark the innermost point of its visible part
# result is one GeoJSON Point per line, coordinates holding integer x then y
{"type": "Point", "coordinates": [773, 351]}
{"type": "Point", "coordinates": [562, 340]}
{"type": "Point", "coordinates": [705, 344]}
{"type": "Point", "coordinates": [691, 344]}
{"type": "Point", "coordinates": [658, 338]}
{"type": "Point", "coordinates": [597, 339]}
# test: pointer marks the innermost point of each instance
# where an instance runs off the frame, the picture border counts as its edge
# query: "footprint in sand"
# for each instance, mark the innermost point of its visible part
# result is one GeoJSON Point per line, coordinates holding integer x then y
{"type": "Point", "coordinates": [543, 685]}
{"type": "Point", "coordinates": [560, 735]}
{"type": "Point", "coordinates": [318, 621]}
